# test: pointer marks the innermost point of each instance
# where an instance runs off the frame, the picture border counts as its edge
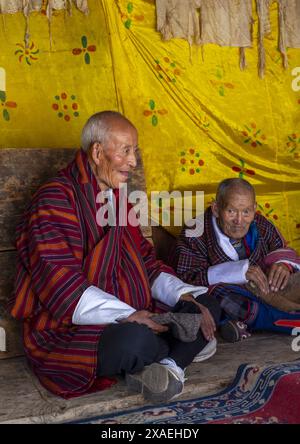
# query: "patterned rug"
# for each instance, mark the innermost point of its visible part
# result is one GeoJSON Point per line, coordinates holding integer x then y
{"type": "Point", "coordinates": [258, 395]}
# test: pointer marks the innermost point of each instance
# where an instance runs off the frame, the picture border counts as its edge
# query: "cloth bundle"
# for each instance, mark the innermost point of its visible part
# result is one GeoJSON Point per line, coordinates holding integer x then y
{"type": "Point", "coordinates": [287, 299]}
{"type": "Point", "coordinates": [183, 326]}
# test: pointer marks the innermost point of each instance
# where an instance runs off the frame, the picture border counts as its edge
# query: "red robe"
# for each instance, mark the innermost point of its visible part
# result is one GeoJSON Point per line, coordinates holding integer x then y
{"type": "Point", "coordinates": [61, 252]}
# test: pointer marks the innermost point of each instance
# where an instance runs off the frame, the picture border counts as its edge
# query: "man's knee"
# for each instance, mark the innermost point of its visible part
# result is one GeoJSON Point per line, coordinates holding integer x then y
{"type": "Point", "coordinates": [212, 304]}
{"type": "Point", "coordinates": [131, 338]}
{"type": "Point", "coordinates": [208, 301]}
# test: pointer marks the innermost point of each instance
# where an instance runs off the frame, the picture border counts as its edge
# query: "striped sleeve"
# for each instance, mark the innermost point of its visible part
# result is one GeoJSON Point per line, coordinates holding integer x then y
{"type": "Point", "coordinates": [191, 260]}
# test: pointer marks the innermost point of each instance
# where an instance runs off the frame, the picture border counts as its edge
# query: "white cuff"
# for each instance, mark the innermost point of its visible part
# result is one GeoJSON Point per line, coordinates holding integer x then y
{"type": "Point", "coordinates": [229, 272]}
{"type": "Point", "coordinates": [98, 307]}
{"type": "Point", "coordinates": [168, 289]}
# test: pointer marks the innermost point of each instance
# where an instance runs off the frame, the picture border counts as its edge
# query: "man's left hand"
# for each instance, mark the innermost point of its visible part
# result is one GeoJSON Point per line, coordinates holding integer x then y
{"type": "Point", "coordinates": [207, 326]}
{"type": "Point", "coordinates": [278, 276]}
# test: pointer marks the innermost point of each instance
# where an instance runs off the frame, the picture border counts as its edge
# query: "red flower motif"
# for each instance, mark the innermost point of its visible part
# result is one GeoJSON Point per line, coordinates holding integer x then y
{"type": "Point", "coordinates": [86, 49]}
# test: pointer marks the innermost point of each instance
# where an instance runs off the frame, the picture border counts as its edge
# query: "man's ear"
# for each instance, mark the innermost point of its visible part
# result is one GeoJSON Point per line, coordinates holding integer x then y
{"type": "Point", "coordinates": [214, 208]}
{"type": "Point", "coordinates": [97, 152]}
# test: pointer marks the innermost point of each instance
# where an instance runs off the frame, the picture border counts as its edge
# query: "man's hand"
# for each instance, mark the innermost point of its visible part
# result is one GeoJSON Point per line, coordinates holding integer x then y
{"type": "Point", "coordinates": [278, 275]}
{"type": "Point", "coordinates": [207, 326]}
{"type": "Point", "coordinates": [256, 275]}
{"type": "Point", "coordinates": [144, 317]}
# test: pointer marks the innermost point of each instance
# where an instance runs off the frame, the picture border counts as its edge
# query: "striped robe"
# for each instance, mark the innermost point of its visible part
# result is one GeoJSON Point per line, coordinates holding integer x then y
{"type": "Point", "coordinates": [194, 255]}
{"type": "Point", "coordinates": [61, 252]}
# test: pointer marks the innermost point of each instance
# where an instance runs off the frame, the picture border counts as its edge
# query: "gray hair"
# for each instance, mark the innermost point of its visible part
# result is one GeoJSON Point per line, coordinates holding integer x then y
{"type": "Point", "coordinates": [230, 185]}
{"type": "Point", "coordinates": [98, 127]}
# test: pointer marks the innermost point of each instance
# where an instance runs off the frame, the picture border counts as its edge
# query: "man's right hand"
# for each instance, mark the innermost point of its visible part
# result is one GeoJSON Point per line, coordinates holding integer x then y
{"type": "Point", "coordinates": [256, 275]}
{"type": "Point", "coordinates": [144, 317]}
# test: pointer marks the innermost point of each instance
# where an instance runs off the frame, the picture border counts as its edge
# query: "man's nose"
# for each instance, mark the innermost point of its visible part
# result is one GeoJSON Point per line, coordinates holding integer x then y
{"type": "Point", "coordinates": [238, 218]}
{"type": "Point", "coordinates": [132, 161]}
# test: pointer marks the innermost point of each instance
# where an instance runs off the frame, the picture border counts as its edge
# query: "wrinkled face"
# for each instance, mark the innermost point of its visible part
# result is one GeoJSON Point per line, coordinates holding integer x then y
{"type": "Point", "coordinates": [115, 159]}
{"type": "Point", "coordinates": [235, 219]}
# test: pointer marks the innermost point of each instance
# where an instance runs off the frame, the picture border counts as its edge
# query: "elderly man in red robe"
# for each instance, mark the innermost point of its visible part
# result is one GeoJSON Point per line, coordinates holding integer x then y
{"type": "Point", "coordinates": [239, 246]}
{"type": "Point", "coordinates": [86, 292]}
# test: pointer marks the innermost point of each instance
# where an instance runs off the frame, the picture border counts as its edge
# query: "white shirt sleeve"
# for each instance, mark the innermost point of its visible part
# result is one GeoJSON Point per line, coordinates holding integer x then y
{"type": "Point", "coordinates": [232, 272]}
{"type": "Point", "coordinates": [98, 307]}
{"type": "Point", "coordinates": [168, 289]}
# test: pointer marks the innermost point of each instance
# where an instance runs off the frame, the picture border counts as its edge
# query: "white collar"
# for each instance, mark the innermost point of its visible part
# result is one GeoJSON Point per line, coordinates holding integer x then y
{"type": "Point", "coordinates": [224, 241]}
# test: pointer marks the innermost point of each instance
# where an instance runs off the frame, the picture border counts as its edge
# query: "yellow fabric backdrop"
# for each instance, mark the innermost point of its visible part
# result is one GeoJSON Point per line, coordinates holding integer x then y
{"type": "Point", "coordinates": [199, 117]}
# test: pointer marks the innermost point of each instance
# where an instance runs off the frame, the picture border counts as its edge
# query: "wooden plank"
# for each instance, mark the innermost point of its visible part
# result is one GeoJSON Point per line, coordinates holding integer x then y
{"type": "Point", "coordinates": [7, 275]}
{"type": "Point", "coordinates": [13, 334]}
{"type": "Point", "coordinates": [23, 170]}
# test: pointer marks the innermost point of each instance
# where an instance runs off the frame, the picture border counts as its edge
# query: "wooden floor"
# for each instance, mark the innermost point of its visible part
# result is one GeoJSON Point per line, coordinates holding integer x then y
{"type": "Point", "coordinates": [23, 400]}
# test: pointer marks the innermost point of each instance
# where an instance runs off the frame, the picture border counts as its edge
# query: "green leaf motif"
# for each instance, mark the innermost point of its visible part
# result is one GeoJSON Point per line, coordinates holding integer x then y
{"type": "Point", "coordinates": [152, 104]}
{"type": "Point", "coordinates": [2, 96]}
{"type": "Point", "coordinates": [127, 23]}
{"type": "Point", "coordinates": [219, 74]}
{"type": "Point", "coordinates": [84, 41]}
{"type": "Point", "coordinates": [130, 7]}
{"type": "Point", "coordinates": [154, 120]}
{"type": "Point", "coordinates": [6, 115]}
{"type": "Point", "coordinates": [87, 58]}
{"type": "Point", "coordinates": [222, 91]}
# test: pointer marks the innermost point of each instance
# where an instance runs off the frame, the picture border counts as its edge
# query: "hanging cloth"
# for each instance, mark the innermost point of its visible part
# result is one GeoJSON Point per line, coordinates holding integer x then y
{"type": "Point", "coordinates": [178, 19]}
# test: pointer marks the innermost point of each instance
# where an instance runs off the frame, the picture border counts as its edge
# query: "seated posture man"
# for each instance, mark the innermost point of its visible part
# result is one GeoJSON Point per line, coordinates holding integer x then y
{"type": "Point", "coordinates": [86, 292]}
{"type": "Point", "coordinates": [238, 245]}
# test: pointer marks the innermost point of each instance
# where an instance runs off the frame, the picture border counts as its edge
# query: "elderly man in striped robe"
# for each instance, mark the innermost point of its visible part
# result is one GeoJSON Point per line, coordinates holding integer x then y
{"type": "Point", "coordinates": [239, 246]}
{"type": "Point", "coordinates": [86, 292]}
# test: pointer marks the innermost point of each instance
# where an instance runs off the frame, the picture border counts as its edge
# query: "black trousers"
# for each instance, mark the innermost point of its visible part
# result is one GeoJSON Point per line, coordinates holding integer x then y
{"type": "Point", "coordinates": [128, 347]}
